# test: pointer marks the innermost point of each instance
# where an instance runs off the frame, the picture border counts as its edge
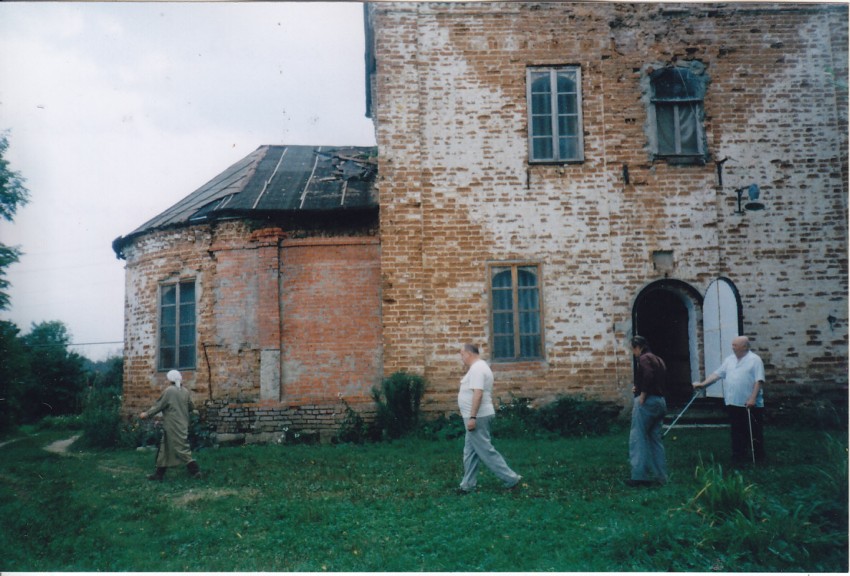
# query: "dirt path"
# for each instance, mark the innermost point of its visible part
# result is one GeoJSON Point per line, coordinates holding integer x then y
{"type": "Point", "coordinates": [8, 442]}
{"type": "Point", "coordinates": [61, 446]}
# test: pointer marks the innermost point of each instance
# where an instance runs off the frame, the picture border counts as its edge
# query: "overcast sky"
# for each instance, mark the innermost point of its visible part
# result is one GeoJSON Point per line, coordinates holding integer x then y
{"type": "Point", "coordinates": [116, 111]}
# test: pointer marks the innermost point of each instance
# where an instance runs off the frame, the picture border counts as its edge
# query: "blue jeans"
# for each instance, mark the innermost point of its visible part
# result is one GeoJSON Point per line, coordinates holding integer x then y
{"type": "Point", "coordinates": [646, 452]}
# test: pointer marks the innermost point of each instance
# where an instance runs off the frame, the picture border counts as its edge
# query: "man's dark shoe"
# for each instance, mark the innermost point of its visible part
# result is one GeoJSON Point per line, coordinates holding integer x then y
{"type": "Point", "coordinates": [636, 483]}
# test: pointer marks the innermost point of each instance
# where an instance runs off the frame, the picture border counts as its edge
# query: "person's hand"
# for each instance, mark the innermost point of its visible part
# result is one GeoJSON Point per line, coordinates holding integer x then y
{"type": "Point", "coordinates": [751, 403]}
{"type": "Point", "coordinates": [470, 424]}
{"type": "Point", "coordinates": [697, 385]}
{"type": "Point", "coordinates": [143, 415]}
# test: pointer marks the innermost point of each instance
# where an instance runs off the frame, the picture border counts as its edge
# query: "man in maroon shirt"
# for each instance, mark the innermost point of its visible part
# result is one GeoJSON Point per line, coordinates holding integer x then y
{"type": "Point", "coordinates": [646, 452]}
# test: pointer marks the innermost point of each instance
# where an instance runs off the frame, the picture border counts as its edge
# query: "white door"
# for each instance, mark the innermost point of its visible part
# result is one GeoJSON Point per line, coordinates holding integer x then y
{"type": "Point", "coordinates": [720, 326]}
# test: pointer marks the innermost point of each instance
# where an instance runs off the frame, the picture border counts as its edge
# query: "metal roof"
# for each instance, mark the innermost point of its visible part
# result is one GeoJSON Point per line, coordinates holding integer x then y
{"type": "Point", "coordinates": [277, 180]}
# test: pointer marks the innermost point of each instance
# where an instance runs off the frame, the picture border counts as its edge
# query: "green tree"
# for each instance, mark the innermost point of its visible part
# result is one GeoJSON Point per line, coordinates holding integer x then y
{"type": "Point", "coordinates": [58, 375]}
{"type": "Point", "coordinates": [14, 375]}
{"type": "Point", "coordinates": [101, 416]}
{"type": "Point", "coordinates": [13, 194]}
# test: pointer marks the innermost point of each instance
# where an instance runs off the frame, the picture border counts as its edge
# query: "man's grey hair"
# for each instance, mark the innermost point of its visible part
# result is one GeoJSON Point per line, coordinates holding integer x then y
{"type": "Point", "coordinates": [471, 348]}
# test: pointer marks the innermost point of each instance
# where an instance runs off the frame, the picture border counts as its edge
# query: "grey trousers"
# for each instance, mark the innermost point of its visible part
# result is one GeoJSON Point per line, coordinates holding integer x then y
{"type": "Point", "coordinates": [646, 452]}
{"type": "Point", "coordinates": [477, 449]}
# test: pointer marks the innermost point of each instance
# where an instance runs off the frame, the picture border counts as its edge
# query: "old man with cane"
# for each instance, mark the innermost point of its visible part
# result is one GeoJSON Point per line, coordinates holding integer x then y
{"type": "Point", "coordinates": [176, 406]}
{"type": "Point", "coordinates": [743, 375]}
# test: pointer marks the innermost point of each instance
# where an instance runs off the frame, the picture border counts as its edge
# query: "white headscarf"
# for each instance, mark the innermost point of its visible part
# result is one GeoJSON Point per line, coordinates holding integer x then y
{"type": "Point", "coordinates": [175, 376]}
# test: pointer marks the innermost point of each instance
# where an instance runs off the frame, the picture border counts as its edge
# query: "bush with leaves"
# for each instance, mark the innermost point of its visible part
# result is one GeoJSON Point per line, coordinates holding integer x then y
{"type": "Point", "coordinates": [516, 418]}
{"type": "Point", "coordinates": [398, 401]}
{"type": "Point", "coordinates": [101, 418]}
{"type": "Point", "coordinates": [577, 416]}
{"type": "Point", "coordinates": [443, 427]}
{"type": "Point", "coordinates": [354, 429]}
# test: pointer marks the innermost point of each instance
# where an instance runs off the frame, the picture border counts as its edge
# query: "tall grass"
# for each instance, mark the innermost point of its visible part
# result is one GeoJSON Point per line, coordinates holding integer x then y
{"type": "Point", "coordinates": [392, 507]}
{"type": "Point", "coordinates": [723, 495]}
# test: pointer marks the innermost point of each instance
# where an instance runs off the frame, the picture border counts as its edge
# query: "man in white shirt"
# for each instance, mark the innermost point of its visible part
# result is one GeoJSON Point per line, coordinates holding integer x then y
{"type": "Point", "coordinates": [743, 375]}
{"type": "Point", "coordinates": [475, 400]}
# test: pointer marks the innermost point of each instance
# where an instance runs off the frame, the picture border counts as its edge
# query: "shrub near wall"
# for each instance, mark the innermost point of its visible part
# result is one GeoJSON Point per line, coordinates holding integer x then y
{"type": "Point", "coordinates": [398, 402]}
{"type": "Point", "coordinates": [566, 416]}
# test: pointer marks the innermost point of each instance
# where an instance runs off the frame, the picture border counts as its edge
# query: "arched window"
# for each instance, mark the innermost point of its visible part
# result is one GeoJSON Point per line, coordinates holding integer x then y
{"type": "Point", "coordinates": [516, 312]}
{"type": "Point", "coordinates": [554, 114]}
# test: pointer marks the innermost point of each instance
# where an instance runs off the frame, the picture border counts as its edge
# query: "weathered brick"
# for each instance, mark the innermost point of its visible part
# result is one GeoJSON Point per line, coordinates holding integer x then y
{"type": "Point", "coordinates": [457, 191]}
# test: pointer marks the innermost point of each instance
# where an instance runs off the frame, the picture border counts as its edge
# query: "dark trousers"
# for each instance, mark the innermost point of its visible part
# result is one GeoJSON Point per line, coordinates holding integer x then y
{"type": "Point", "coordinates": [741, 419]}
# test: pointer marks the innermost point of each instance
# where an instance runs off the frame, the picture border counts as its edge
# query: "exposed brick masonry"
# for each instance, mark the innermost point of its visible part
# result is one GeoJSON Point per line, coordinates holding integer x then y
{"type": "Point", "coordinates": [457, 191]}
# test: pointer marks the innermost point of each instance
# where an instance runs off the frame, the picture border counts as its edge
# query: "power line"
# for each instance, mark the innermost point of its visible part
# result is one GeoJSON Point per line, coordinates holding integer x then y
{"type": "Point", "coordinates": [75, 344]}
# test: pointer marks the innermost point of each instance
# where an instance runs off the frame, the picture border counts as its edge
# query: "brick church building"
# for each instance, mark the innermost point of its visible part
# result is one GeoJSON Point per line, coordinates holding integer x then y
{"type": "Point", "coordinates": [549, 179]}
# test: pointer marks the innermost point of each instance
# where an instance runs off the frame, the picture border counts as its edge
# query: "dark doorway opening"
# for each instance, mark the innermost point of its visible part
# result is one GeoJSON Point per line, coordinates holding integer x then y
{"type": "Point", "coordinates": [661, 315]}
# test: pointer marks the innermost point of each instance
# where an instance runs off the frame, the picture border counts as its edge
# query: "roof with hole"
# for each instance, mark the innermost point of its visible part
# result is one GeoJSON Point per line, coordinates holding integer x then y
{"type": "Point", "coordinates": [277, 180]}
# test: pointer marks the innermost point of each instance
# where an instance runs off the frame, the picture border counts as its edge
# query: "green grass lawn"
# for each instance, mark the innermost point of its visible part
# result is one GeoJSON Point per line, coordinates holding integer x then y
{"type": "Point", "coordinates": [392, 507]}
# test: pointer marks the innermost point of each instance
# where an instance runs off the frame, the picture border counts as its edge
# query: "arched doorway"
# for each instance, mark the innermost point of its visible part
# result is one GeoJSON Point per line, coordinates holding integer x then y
{"type": "Point", "coordinates": [665, 313]}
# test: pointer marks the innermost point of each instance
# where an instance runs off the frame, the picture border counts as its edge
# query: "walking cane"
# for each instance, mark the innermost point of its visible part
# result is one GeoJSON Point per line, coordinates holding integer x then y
{"type": "Point", "coordinates": [752, 445]}
{"type": "Point", "coordinates": [688, 405]}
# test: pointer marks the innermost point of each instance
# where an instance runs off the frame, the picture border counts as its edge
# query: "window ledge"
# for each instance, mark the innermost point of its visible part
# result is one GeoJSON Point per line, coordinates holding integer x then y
{"type": "Point", "coordinates": [554, 162]}
{"type": "Point", "coordinates": [508, 365]}
{"type": "Point", "coordinates": [682, 160]}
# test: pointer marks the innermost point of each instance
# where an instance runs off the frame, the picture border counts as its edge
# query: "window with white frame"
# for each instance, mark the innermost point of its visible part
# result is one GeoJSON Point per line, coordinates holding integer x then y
{"type": "Point", "coordinates": [677, 101]}
{"type": "Point", "coordinates": [516, 312]}
{"type": "Point", "coordinates": [554, 114]}
{"type": "Point", "coordinates": [177, 325]}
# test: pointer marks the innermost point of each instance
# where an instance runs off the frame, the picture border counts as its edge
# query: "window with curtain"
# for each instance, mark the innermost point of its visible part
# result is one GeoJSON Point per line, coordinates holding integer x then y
{"type": "Point", "coordinates": [516, 322]}
{"type": "Point", "coordinates": [677, 97]}
{"type": "Point", "coordinates": [177, 325]}
{"type": "Point", "coordinates": [554, 114]}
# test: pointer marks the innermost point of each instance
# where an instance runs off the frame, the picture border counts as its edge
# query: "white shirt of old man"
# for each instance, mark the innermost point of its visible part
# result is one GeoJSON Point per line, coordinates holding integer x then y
{"type": "Point", "coordinates": [740, 375]}
{"type": "Point", "coordinates": [478, 377]}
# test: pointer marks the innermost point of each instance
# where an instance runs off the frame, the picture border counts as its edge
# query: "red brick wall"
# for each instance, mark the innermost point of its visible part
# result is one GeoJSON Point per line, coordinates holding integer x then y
{"type": "Point", "coordinates": [315, 301]}
{"type": "Point", "coordinates": [457, 192]}
{"type": "Point", "coordinates": [332, 319]}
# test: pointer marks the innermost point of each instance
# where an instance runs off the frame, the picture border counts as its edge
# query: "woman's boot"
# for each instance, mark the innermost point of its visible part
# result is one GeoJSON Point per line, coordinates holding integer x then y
{"type": "Point", "coordinates": [194, 469]}
{"type": "Point", "coordinates": [158, 475]}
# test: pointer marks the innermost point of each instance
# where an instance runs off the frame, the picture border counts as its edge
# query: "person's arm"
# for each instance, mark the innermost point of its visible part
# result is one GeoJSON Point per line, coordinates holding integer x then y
{"type": "Point", "coordinates": [646, 374]}
{"type": "Point", "coordinates": [477, 395]}
{"type": "Point", "coordinates": [751, 401]}
{"type": "Point", "coordinates": [156, 408]}
{"type": "Point", "coordinates": [707, 382]}
{"type": "Point", "coordinates": [758, 378]}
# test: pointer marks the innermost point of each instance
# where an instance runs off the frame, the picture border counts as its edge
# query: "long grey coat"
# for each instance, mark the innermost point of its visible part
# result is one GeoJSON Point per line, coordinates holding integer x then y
{"type": "Point", "coordinates": [175, 405]}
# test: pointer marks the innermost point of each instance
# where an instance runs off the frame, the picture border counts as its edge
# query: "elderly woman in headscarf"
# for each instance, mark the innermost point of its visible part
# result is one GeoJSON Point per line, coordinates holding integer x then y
{"type": "Point", "coordinates": [175, 404]}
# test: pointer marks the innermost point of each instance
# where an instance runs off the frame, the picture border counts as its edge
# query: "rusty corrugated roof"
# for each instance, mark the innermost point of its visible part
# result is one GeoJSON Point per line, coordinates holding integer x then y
{"type": "Point", "coordinates": [275, 180]}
